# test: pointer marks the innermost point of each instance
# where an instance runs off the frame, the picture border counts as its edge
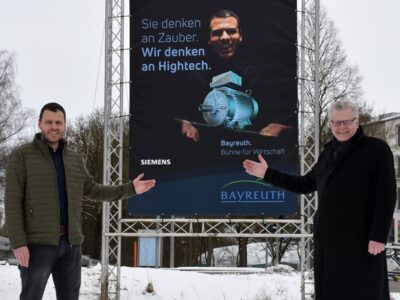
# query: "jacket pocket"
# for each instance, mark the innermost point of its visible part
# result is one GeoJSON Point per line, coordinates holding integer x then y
{"type": "Point", "coordinates": [29, 220]}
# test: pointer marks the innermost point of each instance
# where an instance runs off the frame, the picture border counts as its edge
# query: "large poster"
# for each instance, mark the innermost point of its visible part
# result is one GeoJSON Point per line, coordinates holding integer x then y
{"type": "Point", "coordinates": [213, 83]}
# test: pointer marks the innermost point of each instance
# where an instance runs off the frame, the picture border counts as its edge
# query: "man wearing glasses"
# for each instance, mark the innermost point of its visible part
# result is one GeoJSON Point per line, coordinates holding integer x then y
{"type": "Point", "coordinates": [356, 185]}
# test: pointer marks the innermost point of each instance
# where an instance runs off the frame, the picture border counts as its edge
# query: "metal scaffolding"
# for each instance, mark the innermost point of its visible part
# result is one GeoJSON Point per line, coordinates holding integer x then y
{"type": "Point", "coordinates": [114, 227]}
{"type": "Point", "coordinates": [309, 150]}
{"type": "Point", "coordinates": [113, 146]}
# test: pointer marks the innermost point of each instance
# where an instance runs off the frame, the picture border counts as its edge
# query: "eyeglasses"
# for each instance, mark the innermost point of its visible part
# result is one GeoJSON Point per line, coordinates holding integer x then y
{"type": "Point", "coordinates": [343, 122]}
{"type": "Point", "coordinates": [220, 32]}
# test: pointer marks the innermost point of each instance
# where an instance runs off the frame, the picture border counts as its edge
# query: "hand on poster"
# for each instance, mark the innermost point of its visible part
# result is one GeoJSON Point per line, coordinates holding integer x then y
{"type": "Point", "coordinates": [189, 131]}
{"type": "Point", "coordinates": [254, 168]}
{"type": "Point", "coordinates": [271, 130]}
{"type": "Point", "coordinates": [274, 129]}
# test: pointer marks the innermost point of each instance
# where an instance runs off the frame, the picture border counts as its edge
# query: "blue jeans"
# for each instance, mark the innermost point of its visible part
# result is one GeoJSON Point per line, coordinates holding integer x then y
{"type": "Point", "coordinates": [62, 261]}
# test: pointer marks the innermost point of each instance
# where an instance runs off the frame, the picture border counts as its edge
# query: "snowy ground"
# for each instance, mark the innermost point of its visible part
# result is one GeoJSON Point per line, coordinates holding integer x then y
{"type": "Point", "coordinates": [174, 284]}
{"type": "Point", "coordinates": [278, 284]}
{"type": "Point", "coordinates": [228, 283]}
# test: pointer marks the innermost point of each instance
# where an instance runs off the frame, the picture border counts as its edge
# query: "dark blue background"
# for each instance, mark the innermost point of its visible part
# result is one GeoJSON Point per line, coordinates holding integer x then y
{"type": "Point", "coordinates": [197, 174]}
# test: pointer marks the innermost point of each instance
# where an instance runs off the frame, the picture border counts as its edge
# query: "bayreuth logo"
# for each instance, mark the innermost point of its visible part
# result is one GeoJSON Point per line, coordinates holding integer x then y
{"type": "Point", "coordinates": [250, 191]}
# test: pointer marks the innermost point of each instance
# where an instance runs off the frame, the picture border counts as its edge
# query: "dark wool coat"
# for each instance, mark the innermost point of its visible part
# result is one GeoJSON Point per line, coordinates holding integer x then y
{"type": "Point", "coordinates": [356, 200]}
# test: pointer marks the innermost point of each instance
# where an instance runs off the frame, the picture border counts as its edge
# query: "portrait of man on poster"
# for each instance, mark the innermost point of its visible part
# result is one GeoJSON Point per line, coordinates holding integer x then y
{"type": "Point", "coordinates": [225, 38]}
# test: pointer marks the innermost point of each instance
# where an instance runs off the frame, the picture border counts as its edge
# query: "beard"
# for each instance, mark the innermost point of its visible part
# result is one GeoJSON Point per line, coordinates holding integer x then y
{"type": "Point", "coordinates": [52, 138]}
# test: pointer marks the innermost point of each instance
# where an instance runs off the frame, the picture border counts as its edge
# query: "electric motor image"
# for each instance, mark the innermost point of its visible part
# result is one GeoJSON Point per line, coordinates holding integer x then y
{"type": "Point", "coordinates": [228, 107]}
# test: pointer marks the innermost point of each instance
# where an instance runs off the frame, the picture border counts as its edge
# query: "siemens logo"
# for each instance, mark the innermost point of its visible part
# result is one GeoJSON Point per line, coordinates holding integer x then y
{"type": "Point", "coordinates": [155, 162]}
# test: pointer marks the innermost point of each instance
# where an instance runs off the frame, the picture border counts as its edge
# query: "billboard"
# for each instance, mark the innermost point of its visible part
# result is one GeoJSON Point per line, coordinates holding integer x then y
{"type": "Point", "coordinates": [213, 83]}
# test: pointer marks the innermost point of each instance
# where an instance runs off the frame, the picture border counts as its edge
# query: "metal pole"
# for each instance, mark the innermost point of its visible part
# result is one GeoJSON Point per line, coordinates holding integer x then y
{"type": "Point", "coordinates": [266, 253]}
{"type": "Point", "coordinates": [317, 75]}
{"type": "Point", "coordinates": [106, 206]}
{"type": "Point", "coordinates": [277, 246]}
{"type": "Point", "coordinates": [172, 247]}
{"type": "Point", "coordinates": [121, 141]}
{"type": "Point", "coordinates": [113, 136]}
{"type": "Point", "coordinates": [302, 148]}
{"type": "Point", "coordinates": [158, 245]}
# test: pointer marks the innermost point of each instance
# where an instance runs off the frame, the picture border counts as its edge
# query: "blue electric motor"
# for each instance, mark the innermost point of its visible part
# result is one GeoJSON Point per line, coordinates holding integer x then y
{"type": "Point", "coordinates": [226, 106]}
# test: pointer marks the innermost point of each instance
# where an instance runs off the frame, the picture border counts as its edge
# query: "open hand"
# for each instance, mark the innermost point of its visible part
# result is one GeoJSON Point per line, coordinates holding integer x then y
{"type": "Point", "coordinates": [254, 168]}
{"type": "Point", "coordinates": [142, 186]}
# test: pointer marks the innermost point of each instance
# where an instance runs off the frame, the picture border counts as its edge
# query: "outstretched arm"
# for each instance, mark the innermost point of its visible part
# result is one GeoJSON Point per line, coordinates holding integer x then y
{"type": "Point", "coordinates": [254, 168]}
{"type": "Point", "coordinates": [101, 192]}
{"type": "Point", "coordinates": [297, 184]}
{"type": "Point", "coordinates": [142, 186]}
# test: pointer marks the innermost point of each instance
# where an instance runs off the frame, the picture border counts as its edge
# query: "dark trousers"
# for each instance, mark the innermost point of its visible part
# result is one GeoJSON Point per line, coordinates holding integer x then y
{"type": "Point", "coordinates": [62, 261]}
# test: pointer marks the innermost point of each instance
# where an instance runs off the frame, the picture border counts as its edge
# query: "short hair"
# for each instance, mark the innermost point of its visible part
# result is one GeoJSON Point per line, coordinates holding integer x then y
{"type": "Point", "coordinates": [52, 106]}
{"type": "Point", "coordinates": [225, 13]}
{"type": "Point", "coordinates": [341, 105]}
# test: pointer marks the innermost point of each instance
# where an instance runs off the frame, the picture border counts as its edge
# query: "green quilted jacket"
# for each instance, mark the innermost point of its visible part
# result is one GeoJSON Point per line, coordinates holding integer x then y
{"type": "Point", "coordinates": [31, 195]}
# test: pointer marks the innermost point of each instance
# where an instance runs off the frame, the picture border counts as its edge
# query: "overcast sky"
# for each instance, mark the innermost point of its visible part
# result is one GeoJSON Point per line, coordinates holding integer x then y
{"type": "Point", "coordinates": [370, 31]}
{"type": "Point", "coordinates": [58, 46]}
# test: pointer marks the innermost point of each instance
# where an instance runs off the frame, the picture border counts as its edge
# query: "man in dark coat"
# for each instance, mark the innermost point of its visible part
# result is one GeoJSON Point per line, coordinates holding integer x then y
{"type": "Point", "coordinates": [356, 185]}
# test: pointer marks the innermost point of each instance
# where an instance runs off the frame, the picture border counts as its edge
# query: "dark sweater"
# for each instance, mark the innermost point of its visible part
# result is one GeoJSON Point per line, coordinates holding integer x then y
{"type": "Point", "coordinates": [62, 190]}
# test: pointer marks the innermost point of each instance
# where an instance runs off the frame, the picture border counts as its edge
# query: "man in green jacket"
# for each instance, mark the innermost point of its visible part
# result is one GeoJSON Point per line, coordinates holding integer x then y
{"type": "Point", "coordinates": [46, 183]}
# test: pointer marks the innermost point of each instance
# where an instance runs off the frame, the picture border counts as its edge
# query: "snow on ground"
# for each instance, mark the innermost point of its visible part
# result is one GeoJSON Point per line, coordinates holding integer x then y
{"type": "Point", "coordinates": [171, 284]}
{"type": "Point", "coordinates": [226, 283]}
{"type": "Point", "coordinates": [174, 284]}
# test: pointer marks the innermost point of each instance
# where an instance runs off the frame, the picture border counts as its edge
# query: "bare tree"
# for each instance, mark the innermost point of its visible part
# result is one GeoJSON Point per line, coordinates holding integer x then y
{"type": "Point", "coordinates": [339, 79]}
{"type": "Point", "coordinates": [85, 136]}
{"type": "Point", "coordinates": [13, 117]}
